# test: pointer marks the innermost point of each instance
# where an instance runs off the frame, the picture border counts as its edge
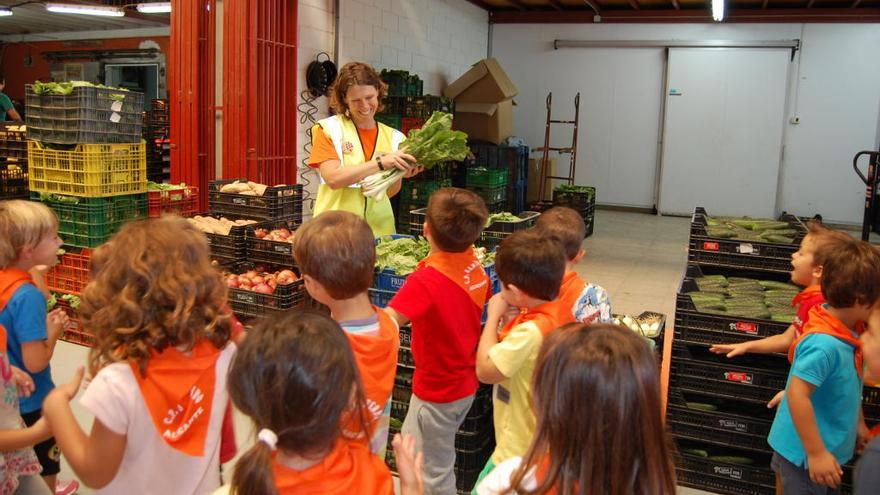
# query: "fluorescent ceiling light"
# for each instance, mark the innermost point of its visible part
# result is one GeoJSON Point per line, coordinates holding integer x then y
{"type": "Point", "coordinates": [718, 10]}
{"type": "Point", "coordinates": [4, 11]}
{"type": "Point", "coordinates": [154, 8]}
{"type": "Point", "coordinates": [67, 8]}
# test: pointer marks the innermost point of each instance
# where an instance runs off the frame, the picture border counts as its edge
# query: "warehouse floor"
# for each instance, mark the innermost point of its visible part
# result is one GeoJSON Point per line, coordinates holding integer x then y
{"type": "Point", "coordinates": [638, 258]}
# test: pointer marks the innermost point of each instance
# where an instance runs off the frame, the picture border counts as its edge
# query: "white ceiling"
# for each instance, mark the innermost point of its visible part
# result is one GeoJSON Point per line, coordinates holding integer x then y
{"type": "Point", "coordinates": [34, 18]}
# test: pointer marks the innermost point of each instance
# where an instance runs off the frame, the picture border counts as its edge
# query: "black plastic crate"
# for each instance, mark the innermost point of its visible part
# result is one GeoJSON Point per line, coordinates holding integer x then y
{"type": "Point", "coordinates": [694, 326]}
{"type": "Point", "coordinates": [86, 115]}
{"type": "Point", "coordinates": [497, 231]}
{"type": "Point", "coordinates": [249, 304]}
{"type": "Point", "coordinates": [734, 422]}
{"type": "Point", "coordinates": [266, 251]}
{"type": "Point", "coordinates": [516, 197]}
{"type": "Point", "coordinates": [717, 476]}
{"type": "Point", "coordinates": [479, 418]}
{"type": "Point", "coordinates": [516, 160]}
{"type": "Point", "coordinates": [580, 200]}
{"type": "Point", "coordinates": [469, 464]}
{"type": "Point", "coordinates": [474, 440]}
{"type": "Point", "coordinates": [421, 107]}
{"type": "Point", "coordinates": [13, 142]}
{"type": "Point", "coordinates": [704, 249]}
{"type": "Point", "coordinates": [277, 203]}
{"type": "Point", "coordinates": [405, 357]}
{"type": "Point", "coordinates": [491, 195]}
{"type": "Point", "coordinates": [724, 379]}
{"type": "Point", "coordinates": [871, 404]}
{"type": "Point", "coordinates": [13, 183]}
{"type": "Point", "coordinates": [589, 222]}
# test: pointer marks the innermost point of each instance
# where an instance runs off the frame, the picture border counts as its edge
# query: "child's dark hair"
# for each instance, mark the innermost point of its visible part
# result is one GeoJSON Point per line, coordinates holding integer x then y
{"type": "Point", "coordinates": [455, 218]}
{"type": "Point", "coordinates": [566, 225]}
{"type": "Point", "coordinates": [532, 262]}
{"type": "Point", "coordinates": [153, 287]}
{"type": "Point", "coordinates": [820, 235]}
{"type": "Point", "coordinates": [337, 249]}
{"type": "Point", "coordinates": [850, 273]}
{"type": "Point", "coordinates": [295, 374]}
{"type": "Point", "coordinates": [596, 396]}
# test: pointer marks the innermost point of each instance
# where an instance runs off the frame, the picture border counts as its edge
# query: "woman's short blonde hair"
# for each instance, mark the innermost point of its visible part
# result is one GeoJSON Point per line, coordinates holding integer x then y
{"type": "Point", "coordinates": [23, 224]}
{"type": "Point", "coordinates": [355, 74]}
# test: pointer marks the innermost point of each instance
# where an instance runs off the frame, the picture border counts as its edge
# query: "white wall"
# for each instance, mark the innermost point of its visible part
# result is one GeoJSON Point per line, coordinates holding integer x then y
{"type": "Point", "coordinates": [838, 100]}
{"type": "Point", "coordinates": [436, 39]}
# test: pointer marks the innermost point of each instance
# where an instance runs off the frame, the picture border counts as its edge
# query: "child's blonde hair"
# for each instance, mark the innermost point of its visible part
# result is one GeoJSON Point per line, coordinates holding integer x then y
{"type": "Point", "coordinates": [153, 287]}
{"type": "Point", "coordinates": [23, 224]}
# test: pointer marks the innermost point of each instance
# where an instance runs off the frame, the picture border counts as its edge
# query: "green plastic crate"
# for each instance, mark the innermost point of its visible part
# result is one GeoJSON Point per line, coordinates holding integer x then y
{"type": "Point", "coordinates": [391, 120]}
{"type": "Point", "coordinates": [484, 177]}
{"type": "Point", "coordinates": [418, 191]}
{"type": "Point", "coordinates": [92, 221]}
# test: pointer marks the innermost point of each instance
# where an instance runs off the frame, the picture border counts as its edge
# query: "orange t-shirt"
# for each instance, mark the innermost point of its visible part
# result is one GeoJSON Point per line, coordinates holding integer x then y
{"type": "Point", "coordinates": [323, 149]}
{"type": "Point", "coordinates": [571, 289]}
{"type": "Point", "coordinates": [350, 468]}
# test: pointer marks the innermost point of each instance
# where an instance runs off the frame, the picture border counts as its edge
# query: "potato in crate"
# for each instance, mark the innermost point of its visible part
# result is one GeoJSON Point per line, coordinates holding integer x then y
{"type": "Point", "coordinates": [272, 242]}
{"type": "Point", "coordinates": [246, 199]}
{"type": "Point", "coordinates": [89, 222]}
{"type": "Point", "coordinates": [171, 199]}
{"type": "Point", "coordinates": [88, 170]}
{"type": "Point", "coordinates": [256, 293]}
{"type": "Point", "coordinates": [226, 237]}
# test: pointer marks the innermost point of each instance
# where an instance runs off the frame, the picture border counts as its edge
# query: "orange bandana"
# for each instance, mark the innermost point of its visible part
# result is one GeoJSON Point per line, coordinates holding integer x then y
{"type": "Point", "coordinates": [179, 390]}
{"type": "Point", "coordinates": [808, 293]}
{"type": "Point", "coordinates": [465, 270]}
{"type": "Point", "coordinates": [548, 317]}
{"type": "Point", "coordinates": [349, 469]}
{"type": "Point", "coordinates": [10, 280]}
{"type": "Point", "coordinates": [821, 321]}
{"type": "Point", "coordinates": [376, 359]}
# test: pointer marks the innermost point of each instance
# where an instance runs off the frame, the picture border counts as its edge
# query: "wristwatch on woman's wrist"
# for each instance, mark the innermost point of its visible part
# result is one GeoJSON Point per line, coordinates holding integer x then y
{"type": "Point", "coordinates": [379, 161]}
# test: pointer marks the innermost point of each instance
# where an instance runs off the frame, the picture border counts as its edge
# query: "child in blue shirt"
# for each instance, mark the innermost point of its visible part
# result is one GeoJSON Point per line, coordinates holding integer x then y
{"type": "Point", "coordinates": [819, 420]}
{"type": "Point", "coordinates": [29, 238]}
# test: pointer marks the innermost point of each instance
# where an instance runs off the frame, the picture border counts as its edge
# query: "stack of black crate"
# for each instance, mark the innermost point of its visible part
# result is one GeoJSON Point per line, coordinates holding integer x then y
{"type": "Point", "coordinates": [717, 407]}
{"type": "Point", "coordinates": [157, 133]}
{"type": "Point", "coordinates": [499, 174]}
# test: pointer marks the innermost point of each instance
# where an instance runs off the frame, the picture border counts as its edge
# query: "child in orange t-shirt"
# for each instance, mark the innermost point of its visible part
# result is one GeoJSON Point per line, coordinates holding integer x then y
{"type": "Point", "coordinates": [589, 303]}
{"type": "Point", "coordinates": [296, 378]}
{"type": "Point", "coordinates": [337, 255]}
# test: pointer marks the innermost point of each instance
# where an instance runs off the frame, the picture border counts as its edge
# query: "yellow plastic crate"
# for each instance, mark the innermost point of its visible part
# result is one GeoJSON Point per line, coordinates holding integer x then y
{"type": "Point", "coordinates": [89, 170]}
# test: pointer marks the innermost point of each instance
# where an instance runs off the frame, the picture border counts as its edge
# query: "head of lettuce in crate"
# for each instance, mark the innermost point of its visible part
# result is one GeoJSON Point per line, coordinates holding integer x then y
{"type": "Point", "coordinates": [361, 161]}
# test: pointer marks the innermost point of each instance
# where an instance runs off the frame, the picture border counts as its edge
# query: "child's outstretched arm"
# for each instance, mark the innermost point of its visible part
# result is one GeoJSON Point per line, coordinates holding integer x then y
{"type": "Point", "coordinates": [775, 343]}
{"type": "Point", "coordinates": [824, 469]}
{"type": "Point", "coordinates": [25, 437]}
{"type": "Point", "coordinates": [94, 458]}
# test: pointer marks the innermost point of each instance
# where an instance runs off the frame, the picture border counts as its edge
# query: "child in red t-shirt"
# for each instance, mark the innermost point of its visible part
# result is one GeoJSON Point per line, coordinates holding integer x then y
{"type": "Point", "coordinates": [444, 300]}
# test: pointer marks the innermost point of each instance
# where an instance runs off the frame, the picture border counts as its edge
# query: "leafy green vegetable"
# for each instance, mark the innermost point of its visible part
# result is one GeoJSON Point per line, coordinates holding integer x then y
{"type": "Point", "coordinates": [58, 198]}
{"type": "Point", "coordinates": [51, 302]}
{"type": "Point", "coordinates": [160, 186]}
{"type": "Point", "coordinates": [504, 216]}
{"type": "Point", "coordinates": [66, 88]}
{"type": "Point", "coordinates": [72, 300]}
{"type": "Point", "coordinates": [395, 423]}
{"type": "Point", "coordinates": [434, 143]}
{"type": "Point", "coordinates": [401, 255]}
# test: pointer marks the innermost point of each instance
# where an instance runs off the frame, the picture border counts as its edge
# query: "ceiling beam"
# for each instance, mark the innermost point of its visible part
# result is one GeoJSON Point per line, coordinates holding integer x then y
{"type": "Point", "coordinates": [517, 4]}
{"type": "Point", "coordinates": [592, 6]}
{"type": "Point", "coordinates": [810, 4]}
{"type": "Point", "coordinates": [756, 15]}
{"type": "Point", "coordinates": [855, 4]}
{"type": "Point", "coordinates": [556, 5]}
{"type": "Point", "coordinates": [634, 4]}
{"type": "Point", "coordinates": [766, 2]}
{"type": "Point", "coordinates": [480, 4]}
{"type": "Point", "coordinates": [676, 5]}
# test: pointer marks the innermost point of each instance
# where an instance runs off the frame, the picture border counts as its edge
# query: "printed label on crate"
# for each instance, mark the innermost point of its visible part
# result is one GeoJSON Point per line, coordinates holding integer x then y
{"type": "Point", "coordinates": [116, 106]}
{"type": "Point", "coordinates": [747, 248]}
{"type": "Point", "coordinates": [282, 249]}
{"type": "Point", "coordinates": [115, 118]}
{"type": "Point", "coordinates": [741, 326]}
{"type": "Point", "coordinates": [246, 298]}
{"type": "Point", "coordinates": [730, 424]}
{"type": "Point", "coordinates": [738, 376]}
{"type": "Point", "coordinates": [711, 246]}
{"type": "Point", "coordinates": [730, 472]}
{"type": "Point", "coordinates": [239, 201]}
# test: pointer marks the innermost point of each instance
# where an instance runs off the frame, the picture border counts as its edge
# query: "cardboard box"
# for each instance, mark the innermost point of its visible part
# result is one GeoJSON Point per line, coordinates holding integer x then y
{"type": "Point", "coordinates": [485, 82]}
{"type": "Point", "coordinates": [492, 122]}
{"type": "Point", "coordinates": [534, 180]}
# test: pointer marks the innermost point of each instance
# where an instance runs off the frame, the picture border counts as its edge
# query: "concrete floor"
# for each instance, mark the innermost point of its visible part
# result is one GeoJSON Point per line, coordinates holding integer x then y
{"type": "Point", "coordinates": [638, 258]}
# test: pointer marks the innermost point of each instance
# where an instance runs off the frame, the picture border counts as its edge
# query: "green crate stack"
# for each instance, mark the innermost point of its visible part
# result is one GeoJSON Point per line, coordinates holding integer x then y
{"type": "Point", "coordinates": [401, 83]}
{"type": "Point", "coordinates": [89, 222]}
